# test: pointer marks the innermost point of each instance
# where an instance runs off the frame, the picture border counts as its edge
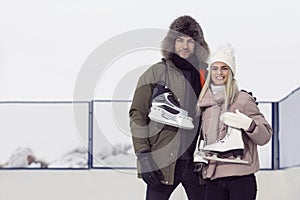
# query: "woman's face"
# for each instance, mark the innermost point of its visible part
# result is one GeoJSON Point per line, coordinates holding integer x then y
{"type": "Point", "coordinates": [219, 72]}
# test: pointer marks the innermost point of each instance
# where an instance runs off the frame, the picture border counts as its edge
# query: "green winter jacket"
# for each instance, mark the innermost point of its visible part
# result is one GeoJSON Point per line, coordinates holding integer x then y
{"type": "Point", "coordinates": [162, 141]}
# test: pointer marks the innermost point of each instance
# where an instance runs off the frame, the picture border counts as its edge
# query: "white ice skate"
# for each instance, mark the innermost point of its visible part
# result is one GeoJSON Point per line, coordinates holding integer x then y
{"type": "Point", "coordinates": [165, 109]}
{"type": "Point", "coordinates": [199, 153]}
{"type": "Point", "coordinates": [232, 144]}
{"type": "Point", "coordinates": [199, 160]}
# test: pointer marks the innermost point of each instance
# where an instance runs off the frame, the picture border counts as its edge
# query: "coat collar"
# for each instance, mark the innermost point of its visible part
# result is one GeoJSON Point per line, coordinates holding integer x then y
{"type": "Point", "coordinates": [210, 100]}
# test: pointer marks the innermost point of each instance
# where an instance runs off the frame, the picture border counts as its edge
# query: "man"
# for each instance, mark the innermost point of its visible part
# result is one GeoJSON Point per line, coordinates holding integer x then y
{"type": "Point", "coordinates": [163, 108]}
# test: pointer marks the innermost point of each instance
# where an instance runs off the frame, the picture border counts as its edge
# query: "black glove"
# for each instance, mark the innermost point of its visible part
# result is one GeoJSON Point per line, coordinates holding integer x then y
{"type": "Point", "coordinates": [149, 170]}
{"type": "Point", "coordinates": [251, 95]}
{"type": "Point", "coordinates": [198, 166]}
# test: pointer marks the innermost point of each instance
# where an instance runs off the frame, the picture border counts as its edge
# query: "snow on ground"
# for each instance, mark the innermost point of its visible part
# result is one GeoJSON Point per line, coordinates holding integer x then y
{"type": "Point", "coordinates": [119, 155]}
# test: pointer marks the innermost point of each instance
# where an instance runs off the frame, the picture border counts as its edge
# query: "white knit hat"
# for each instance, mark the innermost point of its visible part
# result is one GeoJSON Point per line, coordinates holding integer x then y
{"type": "Point", "coordinates": [225, 55]}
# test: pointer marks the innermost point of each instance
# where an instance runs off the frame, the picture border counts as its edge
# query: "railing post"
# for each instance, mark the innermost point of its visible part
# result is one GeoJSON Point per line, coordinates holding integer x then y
{"type": "Point", "coordinates": [275, 137]}
{"type": "Point", "coordinates": [90, 140]}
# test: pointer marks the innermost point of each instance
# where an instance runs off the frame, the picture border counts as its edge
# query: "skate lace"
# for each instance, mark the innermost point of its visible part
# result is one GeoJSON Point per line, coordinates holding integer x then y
{"type": "Point", "coordinates": [221, 140]}
{"type": "Point", "coordinates": [227, 134]}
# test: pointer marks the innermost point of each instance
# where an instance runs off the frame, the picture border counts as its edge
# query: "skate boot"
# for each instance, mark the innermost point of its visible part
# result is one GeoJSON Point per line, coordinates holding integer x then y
{"type": "Point", "coordinates": [199, 160]}
{"type": "Point", "coordinates": [165, 109]}
{"type": "Point", "coordinates": [231, 144]}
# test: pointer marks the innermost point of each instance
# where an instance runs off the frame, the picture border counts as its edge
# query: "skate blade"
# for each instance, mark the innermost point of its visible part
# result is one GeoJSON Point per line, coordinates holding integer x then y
{"type": "Point", "coordinates": [234, 160]}
{"type": "Point", "coordinates": [157, 116]}
{"type": "Point", "coordinates": [212, 148]}
{"type": "Point", "coordinates": [187, 125]}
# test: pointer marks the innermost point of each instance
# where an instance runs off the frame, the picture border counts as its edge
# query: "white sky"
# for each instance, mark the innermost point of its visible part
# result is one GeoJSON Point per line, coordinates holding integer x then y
{"type": "Point", "coordinates": [43, 44]}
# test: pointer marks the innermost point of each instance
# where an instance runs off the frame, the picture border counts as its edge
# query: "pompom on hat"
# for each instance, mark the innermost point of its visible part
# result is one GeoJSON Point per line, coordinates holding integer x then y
{"type": "Point", "coordinates": [226, 55]}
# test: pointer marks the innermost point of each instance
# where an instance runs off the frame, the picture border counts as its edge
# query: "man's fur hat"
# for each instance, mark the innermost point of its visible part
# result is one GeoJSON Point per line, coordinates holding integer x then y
{"type": "Point", "coordinates": [185, 26]}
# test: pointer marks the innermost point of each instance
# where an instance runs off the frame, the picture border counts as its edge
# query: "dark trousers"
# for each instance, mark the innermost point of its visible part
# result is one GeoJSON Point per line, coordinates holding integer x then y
{"type": "Point", "coordinates": [232, 188]}
{"type": "Point", "coordinates": [184, 174]}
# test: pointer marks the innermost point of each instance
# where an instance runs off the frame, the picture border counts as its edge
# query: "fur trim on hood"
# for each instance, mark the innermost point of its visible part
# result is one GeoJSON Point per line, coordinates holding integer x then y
{"type": "Point", "coordinates": [185, 26]}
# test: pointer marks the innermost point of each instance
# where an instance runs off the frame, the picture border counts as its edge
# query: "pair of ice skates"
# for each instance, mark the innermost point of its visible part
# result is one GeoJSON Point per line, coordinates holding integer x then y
{"type": "Point", "coordinates": [165, 109]}
{"type": "Point", "coordinates": [231, 144]}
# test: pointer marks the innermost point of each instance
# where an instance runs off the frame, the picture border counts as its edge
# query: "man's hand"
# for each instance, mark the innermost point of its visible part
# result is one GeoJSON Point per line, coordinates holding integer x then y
{"type": "Point", "coordinates": [149, 170]}
{"type": "Point", "coordinates": [236, 120]}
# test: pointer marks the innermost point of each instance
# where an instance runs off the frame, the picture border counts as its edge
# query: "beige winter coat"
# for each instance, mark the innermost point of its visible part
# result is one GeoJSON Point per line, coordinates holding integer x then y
{"type": "Point", "coordinates": [262, 133]}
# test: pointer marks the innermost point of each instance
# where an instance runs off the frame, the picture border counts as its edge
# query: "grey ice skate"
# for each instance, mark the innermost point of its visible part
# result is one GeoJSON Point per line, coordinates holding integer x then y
{"type": "Point", "coordinates": [165, 109]}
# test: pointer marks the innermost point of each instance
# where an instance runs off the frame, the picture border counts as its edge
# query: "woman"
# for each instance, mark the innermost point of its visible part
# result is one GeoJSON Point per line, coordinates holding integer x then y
{"type": "Point", "coordinates": [233, 126]}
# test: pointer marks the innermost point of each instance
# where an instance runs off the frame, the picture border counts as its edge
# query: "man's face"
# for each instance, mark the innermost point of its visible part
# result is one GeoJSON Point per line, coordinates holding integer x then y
{"type": "Point", "coordinates": [184, 46]}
